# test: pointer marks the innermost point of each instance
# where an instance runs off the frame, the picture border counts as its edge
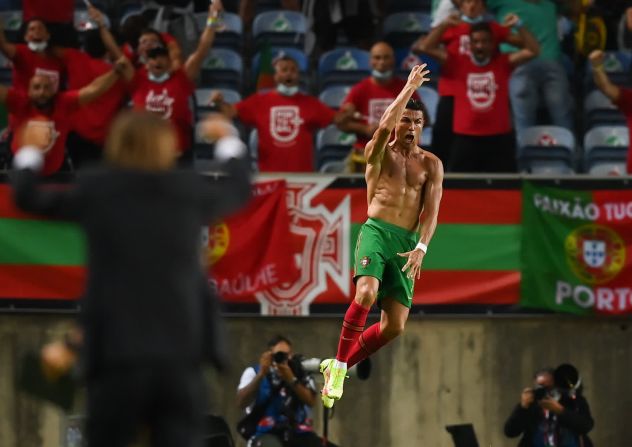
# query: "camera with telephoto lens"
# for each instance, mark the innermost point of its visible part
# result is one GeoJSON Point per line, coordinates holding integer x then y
{"type": "Point", "coordinates": [280, 357]}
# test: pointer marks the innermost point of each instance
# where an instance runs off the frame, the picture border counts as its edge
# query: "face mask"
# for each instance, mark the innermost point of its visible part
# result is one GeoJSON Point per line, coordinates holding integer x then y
{"type": "Point", "coordinates": [479, 63]}
{"type": "Point", "coordinates": [471, 20]}
{"type": "Point", "coordinates": [159, 79]}
{"type": "Point", "coordinates": [287, 90]}
{"type": "Point", "coordinates": [382, 75]}
{"type": "Point", "coordinates": [38, 47]}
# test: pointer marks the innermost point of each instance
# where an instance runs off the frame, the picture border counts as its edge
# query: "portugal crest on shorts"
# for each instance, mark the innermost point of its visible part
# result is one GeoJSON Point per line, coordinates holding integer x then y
{"type": "Point", "coordinates": [365, 261]}
{"type": "Point", "coordinates": [285, 122]}
{"type": "Point", "coordinates": [595, 253]}
{"type": "Point", "coordinates": [481, 90]}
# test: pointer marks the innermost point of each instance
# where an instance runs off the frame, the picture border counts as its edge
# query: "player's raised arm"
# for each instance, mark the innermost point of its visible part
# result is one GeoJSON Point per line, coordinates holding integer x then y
{"type": "Point", "coordinates": [374, 150]}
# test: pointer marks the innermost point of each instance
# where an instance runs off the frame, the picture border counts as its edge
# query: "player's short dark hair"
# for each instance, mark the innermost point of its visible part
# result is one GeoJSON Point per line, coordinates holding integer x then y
{"type": "Point", "coordinates": [284, 58]}
{"type": "Point", "coordinates": [481, 26]}
{"type": "Point", "coordinates": [278, 339]}
{"type": "Point", "coordinates": [157, 52]}
{"type": "Point", "coordinates": [413, 104]}
{"type": "Point", "coordinates": [155, 32]}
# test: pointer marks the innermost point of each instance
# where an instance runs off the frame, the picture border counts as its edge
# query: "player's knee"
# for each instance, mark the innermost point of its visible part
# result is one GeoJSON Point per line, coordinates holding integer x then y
{"type": "Point", "coordinates": [365, 295]}
{"type": "Point", "coordinates": [393, 329]}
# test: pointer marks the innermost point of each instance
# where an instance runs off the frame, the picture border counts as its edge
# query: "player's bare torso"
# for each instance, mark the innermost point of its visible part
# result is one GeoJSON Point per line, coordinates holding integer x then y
{"type": "Point", "coordinates": [396, 196]}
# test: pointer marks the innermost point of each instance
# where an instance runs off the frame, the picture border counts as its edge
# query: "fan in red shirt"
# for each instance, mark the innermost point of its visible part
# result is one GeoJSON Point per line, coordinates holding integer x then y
{"type": "Point", "coordinates": [368, 99]}
{"type": "Point", "coordinates": [91, 122]}
{"type": "Point", "coordinates": [161, 89]}
{"type": "Point", "coordinates": [483, 137]}
{"type": "Point", "coordinates": [285, 119]}
{"type": "Point", "coordinates": [51, 112]}
{"type": "Point", "coordinates": [454, 35]}
{"type": "Point", "coordinates": [621, 97]}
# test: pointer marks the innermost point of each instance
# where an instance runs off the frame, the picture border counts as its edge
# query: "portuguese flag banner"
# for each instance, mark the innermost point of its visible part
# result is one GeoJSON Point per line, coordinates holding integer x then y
{"type": "Point", "coordinates": [575, 253]}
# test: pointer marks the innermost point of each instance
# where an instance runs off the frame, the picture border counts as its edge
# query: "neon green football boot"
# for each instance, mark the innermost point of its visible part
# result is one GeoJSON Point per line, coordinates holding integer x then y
{"type": "Point", "coordinates": [334, 382]}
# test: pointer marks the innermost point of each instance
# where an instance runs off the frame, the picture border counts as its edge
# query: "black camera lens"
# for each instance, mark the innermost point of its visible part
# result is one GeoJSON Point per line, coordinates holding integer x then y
{"type": "Point", "coordinates": [539, 393]}
{"type": "Point", "coordinates": [280, 357]}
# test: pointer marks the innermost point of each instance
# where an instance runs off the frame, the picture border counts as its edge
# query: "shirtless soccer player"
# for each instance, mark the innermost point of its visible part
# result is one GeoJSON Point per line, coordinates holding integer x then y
{"type": "Point", "coordinates": [404, 187]}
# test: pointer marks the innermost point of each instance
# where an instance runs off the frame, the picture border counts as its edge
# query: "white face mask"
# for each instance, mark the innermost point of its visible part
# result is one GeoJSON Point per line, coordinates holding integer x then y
{"type": "Point", "coordinates": [286, 90]}
{"type": "Point", "coordinates": [159, 79]}
{"type": "Point", "coordinates": [38, 47]}
{"type": "Point", "coordinates": [382, 75]}
{"type": "Point", "coordinates": [472, 20]}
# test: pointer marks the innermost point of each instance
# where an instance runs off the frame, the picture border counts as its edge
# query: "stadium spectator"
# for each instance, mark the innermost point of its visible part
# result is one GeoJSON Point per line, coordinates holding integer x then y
{"type": "Point", "coordinates": [483, 138]}
{"type": "Point", "coordinates": [368, 99]}
{"type": "Point", "coordinates": [33, 58]}
{"type": "Point", "coordinates": [285, 119]}
{"type": "Point", "coordinates": [553, 417]}
{"type": "Point", "coordinates": [51, 112]}
{"type": "Point", "coordinates": [280, 394]}
{"type": "Point", "coordinates": [453, 35]}
{"type": "Point", "coordinates": [543, 80]}
{"type": "Point", "coordinates": [91, 122]}
{"type": "Point", "coordinates": [58, 19]}
{"type": "Point", "coordinates": [621, 97]}
{"type": "Point", "coordinates": [162, 90]}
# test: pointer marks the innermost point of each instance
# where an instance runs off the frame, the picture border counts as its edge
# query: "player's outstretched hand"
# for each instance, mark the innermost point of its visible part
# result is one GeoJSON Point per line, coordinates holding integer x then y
{"type": "Point", "coordinates": [413, 263]}
{"type": "Point", "coordinates": [418, 75]}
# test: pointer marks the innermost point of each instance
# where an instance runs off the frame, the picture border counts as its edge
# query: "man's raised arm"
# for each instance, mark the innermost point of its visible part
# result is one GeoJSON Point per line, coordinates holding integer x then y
{"type": "Point", "coordinates": [374, 150]}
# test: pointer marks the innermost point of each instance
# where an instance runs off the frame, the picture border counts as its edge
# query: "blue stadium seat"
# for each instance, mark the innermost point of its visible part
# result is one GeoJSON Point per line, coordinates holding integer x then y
{"type": "Point", "coordinates": [618, 65]}
{"type": "Point", "coordinates": [405, 60]}
{"type": "Point", "coordinates": [334, 95]}
{"type": "Point", "coordinates": [546, 150]}
{"type": "Point", "coordinates": [599, 111]}
{"type": "Point", "coordinates": [605, 148]}
{"type": "Point", "coordinates": [222, 68]}
{"type": "Point", "coordinates": [343, 66]}
{"type": "Point", "coordinates": [280, 28]}
{"type": "Point", "coordinates": [12, 24]}
{"type": "Point", "coordinates": [430, 98]}
{"type": "Point", "coordinates": [332, 145]}
{"type": "Point", "coordinates": [231, 35]}
{"type": "Point", "coordinates": [401, 29]}
{"type": "Point", "coordinates": [202, 96]}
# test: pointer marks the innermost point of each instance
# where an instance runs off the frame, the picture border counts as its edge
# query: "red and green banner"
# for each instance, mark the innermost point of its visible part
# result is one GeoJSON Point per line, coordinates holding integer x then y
{"type": "Point", "coordinates": [575, 254]}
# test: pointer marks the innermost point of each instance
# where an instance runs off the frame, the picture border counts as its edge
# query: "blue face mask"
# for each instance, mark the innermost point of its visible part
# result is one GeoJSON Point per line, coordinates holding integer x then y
{"type": "Point", "coordinates": [471, 21]}
{"type": "Point", "coordinates": [286, 90]}
{"type": "Point", "coordinates": [382, 75]}
{"type": "Point", "coordinates": [159, 79]}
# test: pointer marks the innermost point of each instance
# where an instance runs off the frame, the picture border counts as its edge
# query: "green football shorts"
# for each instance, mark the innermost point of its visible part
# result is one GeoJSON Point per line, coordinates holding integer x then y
{"type": "Point", "coordinates": [376, 255]}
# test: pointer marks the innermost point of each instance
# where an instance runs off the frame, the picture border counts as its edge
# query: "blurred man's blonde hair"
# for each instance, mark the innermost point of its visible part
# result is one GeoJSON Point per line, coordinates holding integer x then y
{"type": "Point", "coordinates": [141, 140]}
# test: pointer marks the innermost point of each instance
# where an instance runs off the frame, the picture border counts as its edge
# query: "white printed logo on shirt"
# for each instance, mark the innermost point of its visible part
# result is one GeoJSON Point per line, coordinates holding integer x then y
{"type": "Point", "coordinates": [52, 74]}
{"type": "Point", "coordinates": [46, 132]}
{"type": "Point", "coordinates": [159, 103]}
{"type": "Point", "coordinates": [377, 108]}
{"type": "Point", "coordinates": [285, 122]}
{"type": "Point", "coordinates": [481, 90]}
{"type": "Point", "coordinates": [464, 44]}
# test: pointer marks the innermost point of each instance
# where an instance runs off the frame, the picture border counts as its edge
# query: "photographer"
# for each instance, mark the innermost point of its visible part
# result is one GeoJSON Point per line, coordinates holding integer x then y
{"type": "Point", "coordinates": [551, 414]}
{"type": "Point", "coordinates": [277, 395]}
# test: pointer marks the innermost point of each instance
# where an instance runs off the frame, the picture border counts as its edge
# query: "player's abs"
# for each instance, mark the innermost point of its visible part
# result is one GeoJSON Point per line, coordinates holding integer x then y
{"type": "Point", "coordinates": [401, 208]}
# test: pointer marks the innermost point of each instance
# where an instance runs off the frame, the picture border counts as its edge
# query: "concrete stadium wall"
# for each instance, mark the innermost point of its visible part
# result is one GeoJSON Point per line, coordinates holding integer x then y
{"type": "Point", "coordinates": [443, 371]}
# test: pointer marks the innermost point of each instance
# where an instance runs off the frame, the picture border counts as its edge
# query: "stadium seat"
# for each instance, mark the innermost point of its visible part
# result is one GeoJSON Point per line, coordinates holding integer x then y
{"type": "Point", "coordinates": [280, 28]}
{"type": "Point", "coordinates": [605, 147]}
{"type": "Point", "coordinates": [430, 98]}
{"type": "Point", "coordinates": [332, 145]}
{"type": "Point", "coordinates": [231, 35]}
{"type": "Point", "coordinates": [343, 66]}
{"type": "Point", "coordinates": [405, 60]}
{"type": "Point", "coordinates": [618, 65]}
{"type": "Point", "coordinates": [334, 95]}
{"type": "Point", "coordinates": [333, 167]}
{"type": "Point", "coordinates": [202, 96]}
{"type": "Point", "coordinates": [12, 24]}
{"type": "Point", "coordinates": [401, 29]}
{"type": "Point", "coordinates": [222, 68]}
{"type": "Point", "coordinates": [546, 150]}
{"type": "Point", "coordinates": [6, 73]}
{"type": "Point", "coordinates": [426, 138]}
{"type": "Point", "coordinates": [599, 111]}
{"type": "Point", "coordinates": [83, 23]}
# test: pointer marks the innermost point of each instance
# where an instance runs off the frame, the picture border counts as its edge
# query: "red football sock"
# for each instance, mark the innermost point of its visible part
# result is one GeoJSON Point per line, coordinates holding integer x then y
{"type": "Point", "coordinates": [352, 327]}
{"type": "Point", "coordinates": [369, 341]}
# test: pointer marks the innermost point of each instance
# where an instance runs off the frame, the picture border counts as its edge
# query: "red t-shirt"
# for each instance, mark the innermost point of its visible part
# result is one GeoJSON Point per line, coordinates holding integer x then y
{"type": "Point", "coordinates": [59, 11]}
{"type": "Point", "coordinates": [286, 126]}
{"type": "Point", "coordinates": [132, 55]}
{"type": "Point", "coordinates": [371, 100]}
{"type": "Point", "coordinates": [27, 63]}
{"type": "Point", "coordinates": [169, 100]}
{"type": "Point", "coordinates": [625, 105]}
{"type": "Point", "coordinates": [481, 100]}
{"type": "Point", "coordinates": [58, 121]}
{"type": "Point", "coordinates": [92, 121]}
{"type": "Point", "coordinates": [456, 40]}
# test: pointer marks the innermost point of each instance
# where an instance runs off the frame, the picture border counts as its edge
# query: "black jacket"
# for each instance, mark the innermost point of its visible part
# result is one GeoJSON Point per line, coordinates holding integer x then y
{"type": "Point", "coordinates": [576, 417]}
{"type": "Point", "coordinates": [143, 302]}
